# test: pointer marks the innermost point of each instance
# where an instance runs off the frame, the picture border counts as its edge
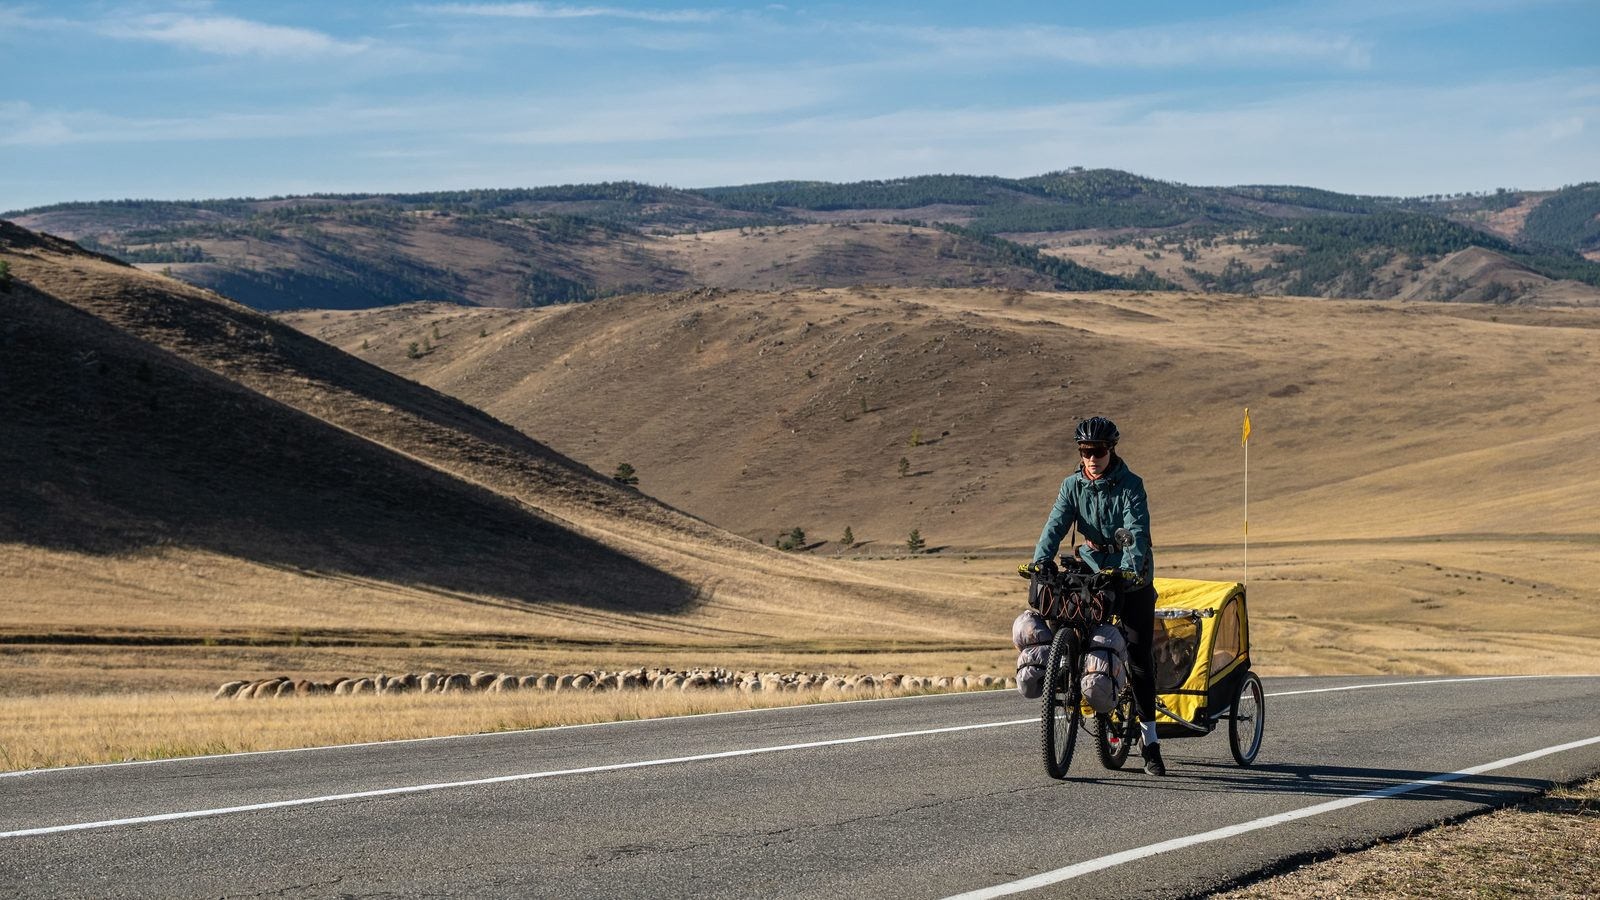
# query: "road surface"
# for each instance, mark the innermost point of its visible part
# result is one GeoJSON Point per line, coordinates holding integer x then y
{"type": "Point", "coordinates": [915, 797]}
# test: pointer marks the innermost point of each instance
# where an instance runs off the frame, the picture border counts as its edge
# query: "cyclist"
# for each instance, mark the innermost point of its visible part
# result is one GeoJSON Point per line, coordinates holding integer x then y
{"type": "Point", "coordinates": [1100, 497]}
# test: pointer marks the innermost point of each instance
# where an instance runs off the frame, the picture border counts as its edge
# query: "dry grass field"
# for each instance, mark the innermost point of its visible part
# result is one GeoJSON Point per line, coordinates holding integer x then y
{"type": "Point", "coordinates": [193, 490]}
{"type": "Point", "coordinates": [1416, 468]}
{"type": "Point", "coordinates": [1470, 274]}
{"type": "Point", "coordinates": [1547, 847]}
{"type": "Point", "coordinates": [1112, 252]}
{"type": "Point", "coordinates": [90, 729]}
{"type": "Point", "coordinates": [196, 492]}
{"type": "Point", "coordinates": [827, 254]}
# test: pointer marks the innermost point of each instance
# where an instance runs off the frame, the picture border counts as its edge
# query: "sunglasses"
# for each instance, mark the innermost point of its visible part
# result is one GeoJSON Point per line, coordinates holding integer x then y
{"type": "Point", "coordinates": [1093, 452]}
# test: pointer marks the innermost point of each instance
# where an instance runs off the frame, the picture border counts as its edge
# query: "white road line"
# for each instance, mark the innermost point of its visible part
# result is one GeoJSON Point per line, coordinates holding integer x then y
{"type": "Point", "coordinates": [412, 789]}
{"type": "Point", "coordinates": [418, 788]}
{"type": "Point", "coordinates": [1365, 687]}
{"type": "Point", "coordinates": [1066, 873]}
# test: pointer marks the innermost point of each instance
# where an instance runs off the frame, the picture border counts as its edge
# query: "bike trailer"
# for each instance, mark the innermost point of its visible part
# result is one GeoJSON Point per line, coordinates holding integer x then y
{"type": "Point", "coordinates": [1202, 652]}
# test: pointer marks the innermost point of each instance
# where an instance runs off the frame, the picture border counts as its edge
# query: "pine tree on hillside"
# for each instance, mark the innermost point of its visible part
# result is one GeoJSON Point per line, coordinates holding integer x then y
{"type": "Point", "coordinates": [914, 542]}
{"type": "Point", "coordinates": [625, 474]}
{"type": "Point", "coordinates": [849, 539]}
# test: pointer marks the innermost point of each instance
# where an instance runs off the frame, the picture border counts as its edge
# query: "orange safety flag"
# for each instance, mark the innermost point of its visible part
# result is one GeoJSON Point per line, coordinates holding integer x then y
{"type": "Point", "coordinates": [1246, 439]}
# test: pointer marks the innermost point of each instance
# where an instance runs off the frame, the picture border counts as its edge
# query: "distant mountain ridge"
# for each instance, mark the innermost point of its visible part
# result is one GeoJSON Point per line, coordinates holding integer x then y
{"type": "Point", "coordinates": [535, 246]}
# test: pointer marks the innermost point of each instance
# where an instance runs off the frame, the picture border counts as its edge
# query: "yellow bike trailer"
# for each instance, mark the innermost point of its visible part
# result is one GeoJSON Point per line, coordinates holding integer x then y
{"type": "Point", "coordinates": [1201, 644]}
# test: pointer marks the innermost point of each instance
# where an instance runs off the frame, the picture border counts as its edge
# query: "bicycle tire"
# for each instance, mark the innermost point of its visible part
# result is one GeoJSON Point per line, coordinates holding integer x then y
{"type": "Point", "coordinates": [1062, 710]}
{"type": "Point", "coordinates": [1249, 708]}
{"type": "Point", "coordinates": [1115, 732]}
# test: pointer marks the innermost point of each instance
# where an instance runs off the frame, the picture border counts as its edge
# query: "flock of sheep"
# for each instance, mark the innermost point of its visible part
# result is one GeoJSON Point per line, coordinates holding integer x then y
{"type": "Point", "coordinates": [631, 680]}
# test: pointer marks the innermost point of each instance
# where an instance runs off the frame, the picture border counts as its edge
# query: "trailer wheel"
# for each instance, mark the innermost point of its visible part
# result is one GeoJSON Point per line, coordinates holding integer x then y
{"type": "Point", "coordinates": [1247, 720]}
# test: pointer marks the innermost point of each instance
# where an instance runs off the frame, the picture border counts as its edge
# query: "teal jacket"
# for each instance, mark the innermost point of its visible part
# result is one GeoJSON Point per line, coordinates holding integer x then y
{"type": "Point", "coordinates": [1100, 507]}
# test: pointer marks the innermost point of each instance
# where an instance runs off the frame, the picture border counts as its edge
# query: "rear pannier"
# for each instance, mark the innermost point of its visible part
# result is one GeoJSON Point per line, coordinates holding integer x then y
{"type": "Point", "coordinates": [1105, 668]}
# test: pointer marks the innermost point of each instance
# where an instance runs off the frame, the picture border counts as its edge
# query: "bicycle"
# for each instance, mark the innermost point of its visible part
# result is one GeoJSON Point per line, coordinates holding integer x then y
{"type": "Point", "coordinates": [1075, 600]}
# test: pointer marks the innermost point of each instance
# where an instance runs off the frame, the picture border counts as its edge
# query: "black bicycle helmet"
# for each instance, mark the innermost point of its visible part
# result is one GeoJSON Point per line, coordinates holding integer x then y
{"type": "Point", "coordinates": [1098, 430]}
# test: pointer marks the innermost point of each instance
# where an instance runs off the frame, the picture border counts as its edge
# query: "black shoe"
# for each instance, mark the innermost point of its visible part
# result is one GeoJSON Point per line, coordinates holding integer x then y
{"type": "Point", "coordinates": [1152, 760]}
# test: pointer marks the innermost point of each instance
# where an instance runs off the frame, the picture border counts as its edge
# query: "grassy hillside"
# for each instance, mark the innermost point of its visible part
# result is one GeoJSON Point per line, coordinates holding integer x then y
{"type": "Point", "coordinates": [1414, 466]}
{"type": "Point", "coordinates": [181, 471]}
{"type": "Point", "coordinates": [1380, 256]}
{"type": "Point", "coordinates": [803, 402]}
{"type": "Point", "coordinates": [194, 491]}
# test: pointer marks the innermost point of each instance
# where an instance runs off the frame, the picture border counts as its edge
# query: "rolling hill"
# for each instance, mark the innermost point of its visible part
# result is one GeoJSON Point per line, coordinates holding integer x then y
{"type": "Point", "coordinates": [167, 453]}
{"type": "Point", "coordinates": [1421, 479]}
{"type": "Point", "coordinates": [762, 411]}
{"type": "Point", "coordinates": [192, 487]}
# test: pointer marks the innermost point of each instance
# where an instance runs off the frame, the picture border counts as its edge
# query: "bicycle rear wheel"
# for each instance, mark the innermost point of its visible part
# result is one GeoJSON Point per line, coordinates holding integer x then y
{"type": "Point", "coordinates": [1116, 732]}
{"type": "Point", "coordinates": [1062, 710]}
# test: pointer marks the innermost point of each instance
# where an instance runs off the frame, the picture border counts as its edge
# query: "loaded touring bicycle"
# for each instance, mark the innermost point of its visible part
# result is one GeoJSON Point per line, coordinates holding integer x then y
{"type": "Point", "coordinates": [1202, 652]}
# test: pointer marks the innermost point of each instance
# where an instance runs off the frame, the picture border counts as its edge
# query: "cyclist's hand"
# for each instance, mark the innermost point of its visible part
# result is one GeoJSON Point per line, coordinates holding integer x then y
{"type": "Point", "coordinates": [1029, 569]}
{"type": "Point", "coordinates": [1122, 578]}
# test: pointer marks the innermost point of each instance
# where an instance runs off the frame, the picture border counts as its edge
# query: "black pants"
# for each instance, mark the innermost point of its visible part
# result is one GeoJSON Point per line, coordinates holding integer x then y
{"type": "Point", "coordinates": [1139, 620]}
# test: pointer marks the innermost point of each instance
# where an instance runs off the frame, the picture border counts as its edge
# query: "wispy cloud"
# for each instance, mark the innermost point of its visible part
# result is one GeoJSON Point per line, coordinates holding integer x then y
{"type": "Point", "coordinates": [740, 125]}
{"type": "Point", "coordinates": [709, 105]}
{"type": "Point", "coordinates": [26, 126]}
{"type": "Point", "coordinates": [1366, 139]}
{"type": "Point", "coordinates": [560, 11]}
{"type": "Point", "coordinates": [229, 36]}
{"type": "Point", "coordinates": [13, 19]}
{"type": "Point", "coordinates": [1210, 45]}
{"type": "Point", "coordinates": [1421, 11]}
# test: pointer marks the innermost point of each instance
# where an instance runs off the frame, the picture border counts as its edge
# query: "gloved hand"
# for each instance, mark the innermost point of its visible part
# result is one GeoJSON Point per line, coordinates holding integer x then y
{"type": "Point", "coordinates": [1122, 578]}
{"type": "Point", "coordinates": [1029, 569]}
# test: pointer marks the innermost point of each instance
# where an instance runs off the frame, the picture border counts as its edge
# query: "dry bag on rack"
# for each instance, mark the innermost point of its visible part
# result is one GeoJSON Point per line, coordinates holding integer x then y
{"type": "Point", "coordinates": [1105, 668]}
{"type": "Point", "coordinates": [1032, 637]}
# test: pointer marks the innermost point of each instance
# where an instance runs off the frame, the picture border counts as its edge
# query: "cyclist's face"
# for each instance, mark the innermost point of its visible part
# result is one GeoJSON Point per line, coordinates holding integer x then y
{"type": "Point", "coordinates": [1096, 459]}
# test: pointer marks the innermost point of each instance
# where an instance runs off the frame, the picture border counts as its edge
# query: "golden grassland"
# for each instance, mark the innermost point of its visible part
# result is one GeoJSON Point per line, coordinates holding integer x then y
{"type": "Point", "coordinates": [1423, 480]}
{"type": "Point", "coordinates": [196, 620]}
{"type": "Point", "coordinates": [1373, 419]}
{"type": "Point", "coordinates": [1460, 608]}
{"type": "Point", "coordinates": [40, 732]}
{"type": "Point", "coordinates": [1546, 847]}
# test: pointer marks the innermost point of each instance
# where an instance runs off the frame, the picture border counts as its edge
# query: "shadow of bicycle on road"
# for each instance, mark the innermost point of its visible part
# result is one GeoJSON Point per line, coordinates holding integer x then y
{"type": "Point", "coordinates": [1317, 780]}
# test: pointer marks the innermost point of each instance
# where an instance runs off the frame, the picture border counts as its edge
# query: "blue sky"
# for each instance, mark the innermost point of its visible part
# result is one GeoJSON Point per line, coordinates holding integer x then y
{"type": "Point", "coordinates": [186, 99]}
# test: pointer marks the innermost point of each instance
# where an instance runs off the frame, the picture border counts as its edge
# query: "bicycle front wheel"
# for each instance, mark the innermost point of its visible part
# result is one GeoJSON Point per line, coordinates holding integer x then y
{"type": "Point", "coordinates": [1062, 709]}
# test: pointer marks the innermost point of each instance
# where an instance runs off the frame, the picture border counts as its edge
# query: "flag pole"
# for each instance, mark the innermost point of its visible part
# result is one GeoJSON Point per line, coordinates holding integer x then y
{"type": "Point", "coordinates": [1246, 441]}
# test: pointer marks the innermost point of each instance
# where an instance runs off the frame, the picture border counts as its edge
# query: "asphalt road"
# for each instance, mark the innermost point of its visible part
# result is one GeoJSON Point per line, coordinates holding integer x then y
{"type": "Point", "coordinates": [918, 797]}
